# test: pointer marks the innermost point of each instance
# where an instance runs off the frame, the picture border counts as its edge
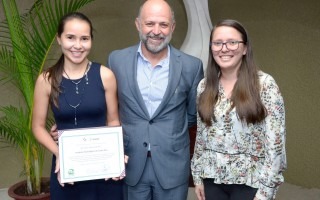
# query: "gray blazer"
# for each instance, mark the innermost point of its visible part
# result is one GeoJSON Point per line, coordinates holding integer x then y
{"type": "Point", "coordinates": [167, 130]}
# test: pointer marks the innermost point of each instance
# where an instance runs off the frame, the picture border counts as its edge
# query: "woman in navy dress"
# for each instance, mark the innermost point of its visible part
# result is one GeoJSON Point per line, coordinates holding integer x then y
{"type": "Point", "coordinates": [81, 94]}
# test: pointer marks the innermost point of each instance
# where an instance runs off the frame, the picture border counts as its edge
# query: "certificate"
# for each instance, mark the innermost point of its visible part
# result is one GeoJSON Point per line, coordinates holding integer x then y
{"type": "Point", "coordinates": [91, 153]}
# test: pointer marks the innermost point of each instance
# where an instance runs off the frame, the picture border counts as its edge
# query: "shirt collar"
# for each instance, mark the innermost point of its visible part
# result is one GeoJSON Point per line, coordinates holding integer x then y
{"type": "Point", "coordinates": [163, 63]}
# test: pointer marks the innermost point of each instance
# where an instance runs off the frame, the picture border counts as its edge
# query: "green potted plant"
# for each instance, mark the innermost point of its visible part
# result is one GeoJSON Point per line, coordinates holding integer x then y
{"type": "Point", "coordinates": [25, 42]}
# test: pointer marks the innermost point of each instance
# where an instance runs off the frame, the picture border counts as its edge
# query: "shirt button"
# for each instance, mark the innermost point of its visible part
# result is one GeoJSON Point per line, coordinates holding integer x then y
{"type": "Point", "coordinates": [145, 144]}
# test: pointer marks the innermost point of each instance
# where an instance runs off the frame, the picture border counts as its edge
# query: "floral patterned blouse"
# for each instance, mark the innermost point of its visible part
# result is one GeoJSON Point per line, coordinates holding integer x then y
{"type": "Point", "coordinates": [231, 152]}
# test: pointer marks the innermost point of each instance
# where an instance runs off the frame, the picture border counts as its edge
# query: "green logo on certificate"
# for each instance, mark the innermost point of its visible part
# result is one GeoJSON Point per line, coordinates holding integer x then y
{"type": "Point", "coordinates": [71, 172]}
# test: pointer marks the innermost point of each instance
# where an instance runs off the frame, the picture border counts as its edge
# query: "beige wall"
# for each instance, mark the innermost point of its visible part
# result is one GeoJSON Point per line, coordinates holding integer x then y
{"type": "Point", "coordinates": [285, 36]}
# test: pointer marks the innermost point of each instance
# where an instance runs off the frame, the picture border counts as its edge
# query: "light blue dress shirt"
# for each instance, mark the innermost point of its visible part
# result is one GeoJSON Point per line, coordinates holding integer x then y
{"type": "Point", "coordinates": [152, 81]}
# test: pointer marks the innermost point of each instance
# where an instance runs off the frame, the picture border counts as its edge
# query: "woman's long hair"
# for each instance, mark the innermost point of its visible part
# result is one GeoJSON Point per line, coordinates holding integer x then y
{"type": "Point", "coordinates": [54, 73]}
{"type": "Point", "coordinates": [246, 92]}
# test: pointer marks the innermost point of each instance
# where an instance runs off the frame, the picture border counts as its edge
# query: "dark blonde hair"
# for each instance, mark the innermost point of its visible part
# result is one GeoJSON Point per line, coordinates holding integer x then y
{"type": "Point", "coordinates": [54, 73]}
{"type": "Point", "coordinates": [246, 92]}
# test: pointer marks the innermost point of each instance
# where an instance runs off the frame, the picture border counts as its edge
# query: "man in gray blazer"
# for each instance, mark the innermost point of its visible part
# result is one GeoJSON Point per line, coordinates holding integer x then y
{"type": "Point", "coordinates": [157, 104]}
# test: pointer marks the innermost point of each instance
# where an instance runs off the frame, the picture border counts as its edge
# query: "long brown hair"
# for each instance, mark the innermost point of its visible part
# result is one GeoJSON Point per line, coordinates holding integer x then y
{"type": "Point", "coordinates": [246, 92]}
{"type": "Point", "coordinates": [54, 73]}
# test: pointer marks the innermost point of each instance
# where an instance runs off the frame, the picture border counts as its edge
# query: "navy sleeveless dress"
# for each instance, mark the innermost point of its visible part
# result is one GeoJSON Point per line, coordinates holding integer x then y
{"type": "Point", "coordinates": [91, 112]}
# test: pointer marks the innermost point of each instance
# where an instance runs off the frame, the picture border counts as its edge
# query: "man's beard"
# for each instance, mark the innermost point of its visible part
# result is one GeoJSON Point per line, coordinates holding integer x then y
{"type": "Point", "coordinates": [153, 48]}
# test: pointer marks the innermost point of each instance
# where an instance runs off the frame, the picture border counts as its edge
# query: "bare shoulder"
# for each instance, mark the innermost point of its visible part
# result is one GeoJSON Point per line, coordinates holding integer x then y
{"type": "Point", "coordinates": [43, 78]}
{"type": "Point", "coordinates": [106, 73]}
{"type": "Point", "coordinates": [43, 84]}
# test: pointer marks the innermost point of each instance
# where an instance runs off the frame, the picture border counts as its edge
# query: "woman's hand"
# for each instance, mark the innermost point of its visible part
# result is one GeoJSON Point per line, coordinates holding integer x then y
{"type": "Point", "coordinates": [126, 158]}
{"type": "Point", "coordinates": [199, 190]}
{"type": "Point", "coordinates": [57, 171]}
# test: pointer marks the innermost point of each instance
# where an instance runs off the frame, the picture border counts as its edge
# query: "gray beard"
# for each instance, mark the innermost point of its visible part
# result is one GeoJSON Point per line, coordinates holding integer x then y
{"type": "Point", "coordinates": [153, 48]}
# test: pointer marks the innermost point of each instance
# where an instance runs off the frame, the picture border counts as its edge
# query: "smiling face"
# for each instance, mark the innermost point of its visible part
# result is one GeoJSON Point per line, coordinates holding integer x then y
{"type": "Point", "coordinates": [225, 58]}
{"type": "Point", "coordinates": [155, 25]}
{"type": "Point", "coordinates": [75, 41]}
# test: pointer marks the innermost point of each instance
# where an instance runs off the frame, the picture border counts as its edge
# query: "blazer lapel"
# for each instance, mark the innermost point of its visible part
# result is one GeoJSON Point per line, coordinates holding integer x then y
{"type": "Point", "coordinates": [132, 79]}
{"type": "Point", "coordinates": [175, 69]}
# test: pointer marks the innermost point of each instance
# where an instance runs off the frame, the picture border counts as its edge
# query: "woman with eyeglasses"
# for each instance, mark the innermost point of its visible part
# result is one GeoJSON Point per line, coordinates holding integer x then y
{"type": "Point", "coordinates": [240, 145]}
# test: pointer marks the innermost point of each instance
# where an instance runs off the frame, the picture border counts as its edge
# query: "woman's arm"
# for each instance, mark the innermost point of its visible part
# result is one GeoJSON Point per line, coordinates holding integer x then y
{"type": "Point", "coordinates": [110, 87]}
{"type": "Point", "coordinates": [275, 136]}
{"type": "Point", "coordinates": [196, 162]}
{"type": "Point", "coordinates": [39, 116]}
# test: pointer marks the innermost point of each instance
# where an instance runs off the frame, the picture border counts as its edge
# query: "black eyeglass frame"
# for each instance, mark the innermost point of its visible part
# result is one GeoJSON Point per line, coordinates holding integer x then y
{"type": "Point", "coordinates": [226, 44]}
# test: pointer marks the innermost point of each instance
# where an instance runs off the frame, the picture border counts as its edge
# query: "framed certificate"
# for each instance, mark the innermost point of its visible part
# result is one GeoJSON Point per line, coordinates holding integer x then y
{"type": "Point", "coordinates": [91, 153]}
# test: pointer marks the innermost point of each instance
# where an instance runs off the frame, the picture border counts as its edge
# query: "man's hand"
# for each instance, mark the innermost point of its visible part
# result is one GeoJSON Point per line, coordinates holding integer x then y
{"type": "Point", "coordinates": [54, 132]}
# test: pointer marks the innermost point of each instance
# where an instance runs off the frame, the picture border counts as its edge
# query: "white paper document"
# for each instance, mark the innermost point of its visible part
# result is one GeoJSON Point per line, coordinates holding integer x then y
{"type": "Point", "coordinates": [91, 153]}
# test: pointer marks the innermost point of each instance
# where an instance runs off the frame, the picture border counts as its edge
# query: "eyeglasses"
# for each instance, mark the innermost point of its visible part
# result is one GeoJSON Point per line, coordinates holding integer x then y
{"type": "Point", "coordinates": [231, 45]}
